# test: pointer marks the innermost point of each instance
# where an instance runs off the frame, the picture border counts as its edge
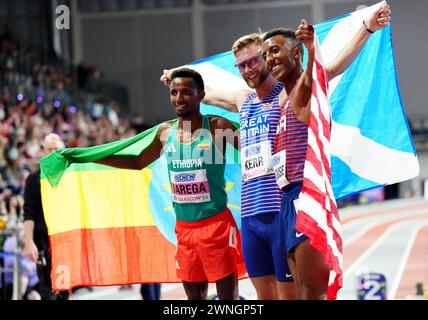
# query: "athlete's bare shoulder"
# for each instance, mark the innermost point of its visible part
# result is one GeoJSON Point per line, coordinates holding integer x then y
{"type": "Point", "coordinates": [167, 125]}
{"type": "Point", "coordinates": [242, 95]}
{"type": "Point", "coordinates": [165, 130]}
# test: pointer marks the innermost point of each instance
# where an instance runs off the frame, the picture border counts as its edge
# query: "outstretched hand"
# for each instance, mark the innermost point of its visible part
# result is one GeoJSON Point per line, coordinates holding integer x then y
{"type": "Point", "coordinates": [305, 34]}
{"type": "Point", "coordinates": [379, 19]}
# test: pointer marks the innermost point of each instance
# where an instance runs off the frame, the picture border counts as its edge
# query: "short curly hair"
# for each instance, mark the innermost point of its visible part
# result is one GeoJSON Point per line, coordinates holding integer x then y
{"type": "Point", "coordinates": [189, 73]}
{"type": "Point", "coordinates": [287, 33]}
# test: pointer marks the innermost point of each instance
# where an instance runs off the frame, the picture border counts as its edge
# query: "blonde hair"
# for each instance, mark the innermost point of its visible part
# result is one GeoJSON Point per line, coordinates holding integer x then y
{"type": "Point", "coordinates": [256, 38]}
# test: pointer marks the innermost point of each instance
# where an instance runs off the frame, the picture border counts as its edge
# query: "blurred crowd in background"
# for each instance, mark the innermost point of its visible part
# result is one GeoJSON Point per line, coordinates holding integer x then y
{"type": "Point", "coordinates": [38, 98]}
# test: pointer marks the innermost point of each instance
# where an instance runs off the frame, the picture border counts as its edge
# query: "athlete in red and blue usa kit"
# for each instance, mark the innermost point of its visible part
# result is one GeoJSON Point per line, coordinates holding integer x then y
{"type": "Point", "coordinates": [291, 143]}
{"type": "Point", "coordinates": [283, 51]}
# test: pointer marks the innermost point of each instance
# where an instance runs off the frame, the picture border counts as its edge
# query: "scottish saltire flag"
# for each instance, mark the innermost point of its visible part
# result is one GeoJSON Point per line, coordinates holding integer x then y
{"type": "Point", "coordinates": [318, 216]}
{"type": "Point", "coordinates": [371, 144]}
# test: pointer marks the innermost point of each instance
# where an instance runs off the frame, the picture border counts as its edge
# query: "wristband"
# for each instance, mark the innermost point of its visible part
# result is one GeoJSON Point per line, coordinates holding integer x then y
{"type": "Point", "coordinates": [365, 26]}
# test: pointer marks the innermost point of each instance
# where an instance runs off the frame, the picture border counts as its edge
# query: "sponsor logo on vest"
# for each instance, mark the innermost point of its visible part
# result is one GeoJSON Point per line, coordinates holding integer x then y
{"type": "Point", "coordinates": [185, 177]}
{"type": "Point", "coordinates": [170, 148]}
{"type": "Point", "coordinates": [252, 151]}
{"type": "Point", "coordinates": [275, 160]}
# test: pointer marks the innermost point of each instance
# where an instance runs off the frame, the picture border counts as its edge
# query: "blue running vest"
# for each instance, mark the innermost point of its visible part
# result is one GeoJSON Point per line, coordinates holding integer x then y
{"type": "Point", "coordinates": [259, 120]}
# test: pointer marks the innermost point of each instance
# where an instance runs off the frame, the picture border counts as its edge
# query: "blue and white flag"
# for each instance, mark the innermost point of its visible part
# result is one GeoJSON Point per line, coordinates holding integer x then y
{"type": "Point", "coordinates": [371, 144]}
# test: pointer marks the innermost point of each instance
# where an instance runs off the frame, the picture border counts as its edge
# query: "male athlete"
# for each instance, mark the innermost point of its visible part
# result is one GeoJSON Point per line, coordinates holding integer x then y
{"type": "Point", "coordinates": [208, 248]}
{"type": "Point", "coordinates": [282, 51]}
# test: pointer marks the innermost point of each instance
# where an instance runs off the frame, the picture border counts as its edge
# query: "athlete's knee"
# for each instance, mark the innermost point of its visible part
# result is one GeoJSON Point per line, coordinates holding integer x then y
{"type": "Point", "coordinates": [196, 291]}
{"type": "Point", "coordinates": [267, 295]}
{"type": "Point", "coordinates": [313, 284]}
{"type": "Point", "coordinates": [227, 288]}
{"type": "Point", "coordinates": [197, 294]}
{"type": "Point", "coordinates": [228, 293]}
{"type": "Point", "coordinates": [267, 292]}
{"type": "Point", "coordinates": [287, 290]}
{"type": "Point", "coordinates": [313, 292]}
{"type": "Point", "coordinates": [265, 287]}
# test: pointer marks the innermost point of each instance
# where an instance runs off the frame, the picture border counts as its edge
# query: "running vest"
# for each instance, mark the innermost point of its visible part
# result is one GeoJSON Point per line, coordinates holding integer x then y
{"type": "Point", "coordinates": [196, 174]}
{"type": "Point", "coordinates": [290, 147]}
{"type": "Point", "coordinates": [260, 194]}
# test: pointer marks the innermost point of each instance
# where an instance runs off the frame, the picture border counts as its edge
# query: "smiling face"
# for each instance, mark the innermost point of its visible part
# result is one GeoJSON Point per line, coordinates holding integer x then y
{"type": "Point", "coordinates": [251, 65]}
{"type": "Point", "coordinates": [279, 57]}
{"type": "Point", "coordinates": [185, 96]}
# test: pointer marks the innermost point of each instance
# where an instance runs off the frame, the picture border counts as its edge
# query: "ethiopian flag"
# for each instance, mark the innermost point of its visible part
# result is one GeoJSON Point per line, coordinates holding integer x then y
{"type": "Point", "coordinates": [110, 226]}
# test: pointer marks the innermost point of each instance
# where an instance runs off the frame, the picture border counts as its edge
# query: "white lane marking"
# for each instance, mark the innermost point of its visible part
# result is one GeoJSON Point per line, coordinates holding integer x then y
{"type": "Point", "coordinates": [350, 270]}
{"type": "Point", "coordinates": [375, 223]}
{"type": "Point", "coordinates": [378, 243]}
{"type": "Point", "coordinates": [376, 207]}
{"type": "Point", "coordinates": [399, 274]}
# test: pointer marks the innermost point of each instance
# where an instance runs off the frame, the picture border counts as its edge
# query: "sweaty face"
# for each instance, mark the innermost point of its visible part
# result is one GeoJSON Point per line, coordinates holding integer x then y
{"type": "Point", "coordinates": [278, 56]}
{"type": "Point", "coordinates": [251, 66]}
{"type": "Point", "coordinates": [185, 96]}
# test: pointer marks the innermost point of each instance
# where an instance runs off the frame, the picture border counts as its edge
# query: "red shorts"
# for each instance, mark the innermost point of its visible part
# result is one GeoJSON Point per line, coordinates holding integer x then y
{"type": "Point", "coordinates": [209, 249]}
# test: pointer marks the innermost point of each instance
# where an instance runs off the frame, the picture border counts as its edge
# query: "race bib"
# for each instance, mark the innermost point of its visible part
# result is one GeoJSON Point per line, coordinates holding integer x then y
{"type": "Point", "coordinates": [256, 160]}
{"type": "Point", "coordinates": [190, 186]}
{"type": "Point", "coordinates": [278, 162]}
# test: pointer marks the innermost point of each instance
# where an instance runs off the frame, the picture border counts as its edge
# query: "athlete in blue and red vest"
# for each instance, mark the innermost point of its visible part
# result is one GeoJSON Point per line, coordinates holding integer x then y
{"type": "Point", "coordinates": [283, 51]}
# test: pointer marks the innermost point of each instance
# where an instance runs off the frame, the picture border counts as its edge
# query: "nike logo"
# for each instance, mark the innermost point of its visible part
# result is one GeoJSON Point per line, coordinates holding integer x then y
{"type": "Point", "coordinates": [287, 275]}
{"type": "Point", "coordinates": [299, 234]}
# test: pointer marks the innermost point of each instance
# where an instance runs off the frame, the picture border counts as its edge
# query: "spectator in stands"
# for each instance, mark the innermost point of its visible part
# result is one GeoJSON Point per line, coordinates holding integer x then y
{"type": "Point", "coordinates": [36, 241]}
{"type": "Point", "coordinates": [29, 89]}
{"type": "Point", "coordinates": [29, 279]}
{"type": "Point", "coordinates": [13, 208]}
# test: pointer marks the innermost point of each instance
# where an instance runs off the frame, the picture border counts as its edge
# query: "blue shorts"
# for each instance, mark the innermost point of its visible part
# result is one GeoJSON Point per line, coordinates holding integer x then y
{"type": "Point", "coordinates": [260, 247]}
{"type": "Point", "coordinates": [288, 233]}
